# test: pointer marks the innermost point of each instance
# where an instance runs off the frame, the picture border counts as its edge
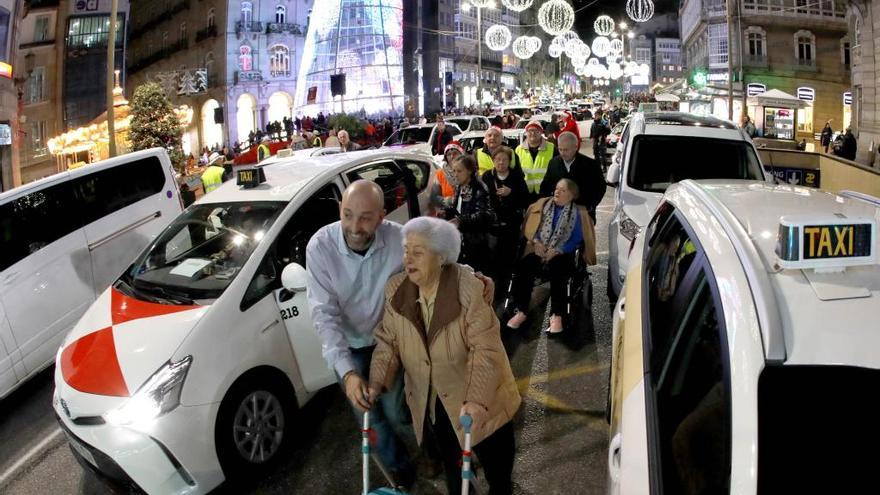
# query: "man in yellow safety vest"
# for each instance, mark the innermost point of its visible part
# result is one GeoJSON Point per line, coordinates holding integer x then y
{"type": "Point", "coordinates": [534, 154]}
{"type": "Point", "coordinates": [212, 177]}
{"type": "Point", "coordinates": [492, 140]}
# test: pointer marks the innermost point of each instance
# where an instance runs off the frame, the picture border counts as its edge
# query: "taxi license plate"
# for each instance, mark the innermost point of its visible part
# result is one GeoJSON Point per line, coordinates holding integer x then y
{"type": "Point", "coordinates": [836, 241]}
{"type": "Point", "coordinates": [81, 449]}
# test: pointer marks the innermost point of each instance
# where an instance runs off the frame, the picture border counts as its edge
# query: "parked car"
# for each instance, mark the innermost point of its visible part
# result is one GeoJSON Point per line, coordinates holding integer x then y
{"type": "Point", "coordinates": [65, 239]}
{"type": "Point", "coordinates": [660, 149]}
{"type": "Point", "coordinates": [744, 339]}
{"type": "Point", "coordinates": [469, 123]}
{"type": "Point", "coordinates": [417, 133]}
{"type": "Point", "coordinates": [188, 369]}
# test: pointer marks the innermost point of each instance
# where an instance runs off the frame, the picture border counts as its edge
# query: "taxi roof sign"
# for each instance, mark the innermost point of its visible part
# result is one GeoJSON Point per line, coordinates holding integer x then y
{"type": "Point", "coordinates": [835, 241]}
{"type": "Point", "coordinates": [250, 177]}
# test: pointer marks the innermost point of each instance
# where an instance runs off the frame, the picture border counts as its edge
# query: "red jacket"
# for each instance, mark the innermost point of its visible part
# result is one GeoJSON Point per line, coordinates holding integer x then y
{"type": "Point", "coordinates": [570, 126]}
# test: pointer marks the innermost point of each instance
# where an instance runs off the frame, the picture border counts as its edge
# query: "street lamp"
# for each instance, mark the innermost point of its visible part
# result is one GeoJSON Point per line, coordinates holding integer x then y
{"type": "Point", "coordinates": [479, 5]}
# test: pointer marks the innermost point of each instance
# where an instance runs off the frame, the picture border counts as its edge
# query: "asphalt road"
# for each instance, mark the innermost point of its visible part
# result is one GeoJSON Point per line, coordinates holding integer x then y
{"type": "Point", "coordinates": [561, 434]}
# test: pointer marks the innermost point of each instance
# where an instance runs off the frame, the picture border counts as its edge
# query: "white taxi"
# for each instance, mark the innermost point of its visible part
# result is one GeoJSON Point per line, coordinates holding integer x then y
{"type": "Point", "coordinates": [745, 342]}
{"type": "Point", "coordinates": [187, 370]}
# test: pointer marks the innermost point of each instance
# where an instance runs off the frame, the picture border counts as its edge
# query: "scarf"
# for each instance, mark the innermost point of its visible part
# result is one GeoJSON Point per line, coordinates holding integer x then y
{"type": "Point", "coordinates": [554, 238]}
{"type": "Point", "coordinates": [450, 177]}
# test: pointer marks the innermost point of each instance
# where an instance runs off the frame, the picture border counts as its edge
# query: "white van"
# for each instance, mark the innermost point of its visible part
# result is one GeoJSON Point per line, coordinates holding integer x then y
{"type": "Point", "coordinates": [63, 240]}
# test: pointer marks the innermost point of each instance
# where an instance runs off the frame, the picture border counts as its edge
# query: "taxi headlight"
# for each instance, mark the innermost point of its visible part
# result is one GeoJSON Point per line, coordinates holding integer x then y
{"type": "Point", "coordinates": [628, 228]}
{"type": "Point", "coordinates": [159, 395]}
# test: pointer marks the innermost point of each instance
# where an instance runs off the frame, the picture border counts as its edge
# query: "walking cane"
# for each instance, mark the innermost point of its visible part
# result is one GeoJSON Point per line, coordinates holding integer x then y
{"type": "Point", "coordinates": [365, 449]}
{"type": "Point", "coordinates": [466, 473]}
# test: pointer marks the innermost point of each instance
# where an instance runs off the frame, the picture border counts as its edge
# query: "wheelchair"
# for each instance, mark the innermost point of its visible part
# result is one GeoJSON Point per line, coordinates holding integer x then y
{"type": "Point", "coordinates": [579, 292]}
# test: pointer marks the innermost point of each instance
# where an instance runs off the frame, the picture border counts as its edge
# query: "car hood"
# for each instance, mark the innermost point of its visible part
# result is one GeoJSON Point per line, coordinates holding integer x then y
{"type": "Point", "coordinates": [121, 341]}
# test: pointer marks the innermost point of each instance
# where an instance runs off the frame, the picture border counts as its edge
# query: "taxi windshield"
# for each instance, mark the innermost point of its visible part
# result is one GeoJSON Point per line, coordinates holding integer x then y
{"type": "Point", "coordinates": [659, 161]}
{"type": "Point", "coordinates": [410, 135]}
{"type": "Point", "coordinates": [200, 253]}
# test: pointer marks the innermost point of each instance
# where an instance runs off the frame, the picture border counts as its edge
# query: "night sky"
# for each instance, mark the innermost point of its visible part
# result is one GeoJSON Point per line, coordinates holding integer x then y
{"type": "Point", "coordinates": [615, 8]}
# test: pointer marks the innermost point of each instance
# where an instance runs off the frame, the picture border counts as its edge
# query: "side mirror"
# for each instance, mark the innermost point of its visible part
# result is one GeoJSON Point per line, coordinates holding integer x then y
{"type": "Point", "coordinates": [294, 277]}
{"type": "Point", "coordinates": [612, 177]}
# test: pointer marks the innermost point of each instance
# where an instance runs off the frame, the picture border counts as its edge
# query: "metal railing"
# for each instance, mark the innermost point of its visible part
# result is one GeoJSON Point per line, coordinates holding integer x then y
{"type": "Point", "coordinates": [248, 27]}
{"type": "Point", "coordinates": [284, 27]}
{"type": "Point", "coordinates": [825, 9]}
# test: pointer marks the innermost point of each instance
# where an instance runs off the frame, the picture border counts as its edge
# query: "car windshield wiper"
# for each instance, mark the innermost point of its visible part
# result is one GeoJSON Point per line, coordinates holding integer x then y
{"type": "Point", "coordinates": [128, 289]}
{"type": "Point", "coordinates": [169, 295]}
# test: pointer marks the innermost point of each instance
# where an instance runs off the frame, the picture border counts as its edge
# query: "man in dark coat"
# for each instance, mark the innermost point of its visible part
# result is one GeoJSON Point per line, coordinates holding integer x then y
{"type": "Point", "coordinates": [583, 170]}
{"type": "Point", "coordinates": [442, 137]}
{"type": "Point", "coordinates": [848, 150]}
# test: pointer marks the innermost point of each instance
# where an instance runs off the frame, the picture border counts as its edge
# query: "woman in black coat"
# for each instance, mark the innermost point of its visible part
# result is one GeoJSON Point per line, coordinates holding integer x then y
{"type": "Point", "coordinates": [471, 211]}
{"type": "Point", "coordinates": [509, 195]}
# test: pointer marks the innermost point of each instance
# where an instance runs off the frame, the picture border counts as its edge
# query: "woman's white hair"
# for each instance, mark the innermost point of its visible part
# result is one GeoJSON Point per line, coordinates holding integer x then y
{"type": "Point", "coordinates": [443, 238]}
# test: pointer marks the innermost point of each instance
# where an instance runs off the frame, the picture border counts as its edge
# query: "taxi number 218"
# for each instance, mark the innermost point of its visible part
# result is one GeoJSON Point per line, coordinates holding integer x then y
{"type": "Point", "coordinates": [289, 313]}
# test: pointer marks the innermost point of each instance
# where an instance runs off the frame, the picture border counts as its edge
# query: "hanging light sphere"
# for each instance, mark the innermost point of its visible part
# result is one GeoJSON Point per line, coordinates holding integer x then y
{"type": "Point", "coordinates": [603, 25]}
{"type": "Point", "coordinates": [497, 37]}
{"type": "Point", "coordinates": [521, 48]}
{"type": "Point", "coordinates": [644, 70]}
{"type": "Point", "coordinates": [601, 46]}
{"type": "Point", "coordinates": [517, 5]}
{"type": "Point", "coordinates": [555, 51]}
{"type": "Point", "coordinates": [570, 35]}
{"type": "Point", "coordinates": [617, 46]}
{"type": "Point", "coordinates": [593, 62]}
{"type": "Point", "coordinates": [579, 62]}
{"type": "Point", "coordinates": [583, 51]}
{"type": "Point", "coordinates": [534, 44]}
{"type": "Point", "coordinates": [481, 4]}
{"type": "Point", "coordinates": [640, 10]}
{"type": "Point", "coordinates": [616, 71]}
{"type": "Point", "coordinates": [555, 17]}
{"type": "Point", "coordinates": [629, 69]}
{"type": "Point", "coordinates": [581, 71]}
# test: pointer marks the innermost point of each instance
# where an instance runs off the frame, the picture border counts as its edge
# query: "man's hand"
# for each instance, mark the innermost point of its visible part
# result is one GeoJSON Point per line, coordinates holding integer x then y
{"type": "Point", "coordinates": [357, 391]}
{"type": "Point", "coordinates": [488, 287]}
{"type": "Point", "coordinates": [504, 191]}
{"type": "Point", "coordinates": [476, 411]}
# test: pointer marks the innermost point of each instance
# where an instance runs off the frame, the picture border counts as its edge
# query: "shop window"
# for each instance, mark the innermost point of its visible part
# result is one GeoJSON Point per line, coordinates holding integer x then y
{"type": "Point", "coordinates": [280, 14]}
{"type": "Point", "coordinates": [805, 119]}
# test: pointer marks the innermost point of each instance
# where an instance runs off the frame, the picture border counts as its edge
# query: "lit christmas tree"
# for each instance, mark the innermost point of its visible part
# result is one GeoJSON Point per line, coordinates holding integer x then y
{"type": "Point", "coordinates": [154, 124]}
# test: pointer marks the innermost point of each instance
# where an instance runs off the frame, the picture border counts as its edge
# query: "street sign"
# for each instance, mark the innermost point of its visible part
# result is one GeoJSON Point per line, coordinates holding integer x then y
{"type": "Point", "coordinates": [847, 98]}
{"type": "Point", "coordinates": [755, 89]}
{"type": "Point", "coordinates": [797, 176]}
{"type": "Point", "coordinates": [806, 93]}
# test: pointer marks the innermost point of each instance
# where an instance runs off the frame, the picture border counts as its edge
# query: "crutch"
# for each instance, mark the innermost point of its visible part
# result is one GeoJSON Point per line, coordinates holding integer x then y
{"type": "Point", "coordinates": [466, 473]}
{"type": "Point", "coordinates": [365, 449]}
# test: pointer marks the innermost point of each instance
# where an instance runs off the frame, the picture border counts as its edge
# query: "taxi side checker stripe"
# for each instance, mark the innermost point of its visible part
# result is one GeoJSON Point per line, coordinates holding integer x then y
{"type": "Point", "coordinates": [763, 297]}
{"type": "Point", "coordinates": [90, 364]}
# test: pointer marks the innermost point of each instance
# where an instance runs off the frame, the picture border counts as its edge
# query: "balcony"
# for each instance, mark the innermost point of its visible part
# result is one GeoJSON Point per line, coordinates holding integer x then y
{"type": "Point", "coordinates": [284, 27]}
{"type": "Point", "coordinates": [807, 65]}
{"type": "Point", "coordinates": [755, 60]}
{"type": "Point", "coordinates": [795, 9]}
{"type": "Point", "coordinates": [208, 32]}
{"type": "Point", "coordinates": [159, 18]}
{"type": "Point", "coordinates": [248, 76]}
{"type": "Point", "coordinates": [248, 27]}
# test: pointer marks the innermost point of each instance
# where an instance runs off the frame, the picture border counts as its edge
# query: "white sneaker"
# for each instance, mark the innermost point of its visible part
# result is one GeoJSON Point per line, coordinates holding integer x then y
{"type": "Point", "coordinates": [518, 319]}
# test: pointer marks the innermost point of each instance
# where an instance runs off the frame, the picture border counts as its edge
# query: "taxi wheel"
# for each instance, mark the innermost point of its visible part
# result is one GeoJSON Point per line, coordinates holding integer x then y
{"type": "Point", "coordinates": [254, 427]}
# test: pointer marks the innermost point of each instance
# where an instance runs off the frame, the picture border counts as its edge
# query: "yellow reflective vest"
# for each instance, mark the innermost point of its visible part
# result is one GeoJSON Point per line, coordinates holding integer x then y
{"type": "Point", "coordinates": [263, 152]}
{"type": "Point", "coordinates": [212, 177]}
{"type": "Point", "coordinates": [484, 161]}
{"type": "Point", "coordinates": [534, 170]}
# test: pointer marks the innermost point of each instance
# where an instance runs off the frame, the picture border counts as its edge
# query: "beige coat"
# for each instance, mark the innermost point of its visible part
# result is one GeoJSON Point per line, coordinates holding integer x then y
{"type": "Point", "coordinates": [533, 222]}
{"type": "Point", "coordinates": [460, 352]}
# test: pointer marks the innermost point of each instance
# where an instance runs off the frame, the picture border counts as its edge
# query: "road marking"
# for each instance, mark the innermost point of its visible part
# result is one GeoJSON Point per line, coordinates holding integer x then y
{"type": "Point", "coordinates": [559, 374]}
{"type": "Point", "coordinates": [30, 454]}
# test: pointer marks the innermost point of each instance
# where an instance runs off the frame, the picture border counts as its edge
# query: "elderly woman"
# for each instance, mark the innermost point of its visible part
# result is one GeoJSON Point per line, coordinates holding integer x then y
{"type": "Point", "coordinates": [440, 330]}
{"type": "Point", "coordinates": [509, 195]}
{"type": "Point", "coordinates": [444, 186]}
{"type": "Point", "coordinates": [471, 212]}
{"type": "Point", "coordinates": [553, 228]}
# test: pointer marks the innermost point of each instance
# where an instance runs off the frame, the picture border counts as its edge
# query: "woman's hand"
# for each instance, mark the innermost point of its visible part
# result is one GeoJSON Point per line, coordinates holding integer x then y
{"type": "Point", "coordinates": [356, 390]}
{"type": "Point", "coordinates": [504, 191]}
{"type": "Point", "coordinates": [539, 249]}
{"type": "Point", "coordinates": [551, 253]}
{"type": "Point", "coordinates": [476, 411]}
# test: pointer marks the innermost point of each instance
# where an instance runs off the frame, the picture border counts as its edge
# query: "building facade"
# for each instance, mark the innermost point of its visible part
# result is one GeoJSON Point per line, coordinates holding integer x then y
{"type": "Point", "coordinates": [797, 47]}
{"type": "Point", "coordinates": [10, 174]}
{"type": "Point", "coordinates": [861, 17]}
{"type": "Point", "coordinates": [233, 61]}
{"type": "Point", "coordinates": [668, 64]}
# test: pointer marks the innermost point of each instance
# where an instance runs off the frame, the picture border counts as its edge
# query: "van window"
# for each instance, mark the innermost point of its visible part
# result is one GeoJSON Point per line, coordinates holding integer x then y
{"type": "Point", "coordinates": [34, 221]}
{"type": "Point", "coordinates": [290, 245]}
{"type": "Point", "coordinates": [110, 190]}
{"type": "Point", "coordinates": [655, 161]}
{"type": "Point", "coordinates": [201, 252]}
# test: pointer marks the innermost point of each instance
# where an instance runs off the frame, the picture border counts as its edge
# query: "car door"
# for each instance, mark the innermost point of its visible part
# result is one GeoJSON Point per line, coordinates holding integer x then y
{"type": "Point", "coordinates": [8, 376]}
{"type": "Point", "coordinates": [45, 270]}
{"type": "Point", "coordinates": [401, 202]}
{"type": "Point", "coordinates": [292, 308]}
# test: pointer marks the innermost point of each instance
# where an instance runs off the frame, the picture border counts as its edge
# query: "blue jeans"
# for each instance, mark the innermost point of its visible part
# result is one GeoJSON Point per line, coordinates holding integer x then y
{"type": "Point", "coordinates": [386, 416]}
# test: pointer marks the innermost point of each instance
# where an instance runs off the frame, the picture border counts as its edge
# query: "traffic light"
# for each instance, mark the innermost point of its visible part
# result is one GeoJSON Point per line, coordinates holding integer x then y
{"type": "Point", "coordinates": [699, 78]}
{"type": "Point", "coordinates": [617, 91]}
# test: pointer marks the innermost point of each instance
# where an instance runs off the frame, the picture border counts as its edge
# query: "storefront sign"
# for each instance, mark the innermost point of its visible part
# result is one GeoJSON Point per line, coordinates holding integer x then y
{"type": "Point", "coordinates": [797, 176]}
{"type": "Point", "coordinates": [717, 77]}
{"type": "Point", "coordinates": [5, 70]}
{"type": "Point", "coordinates": [81, 6]}
{"type": "Point", "coordinates": [806, 94]}
{"type": "Point", "coordinates": [5, 135]}
{"type": "Point", "coordinates": [847, 98]}
{"type": "Point", "coordinates": [755, 89]}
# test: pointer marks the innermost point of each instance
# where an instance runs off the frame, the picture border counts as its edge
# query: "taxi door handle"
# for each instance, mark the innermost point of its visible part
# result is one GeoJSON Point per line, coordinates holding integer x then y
{"type": "Point", "coordinates": [614, 458]}
{"type": "Point", "coordinates": [269, 325]}
{"type": "Point", "coordinates": [620, 308]}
